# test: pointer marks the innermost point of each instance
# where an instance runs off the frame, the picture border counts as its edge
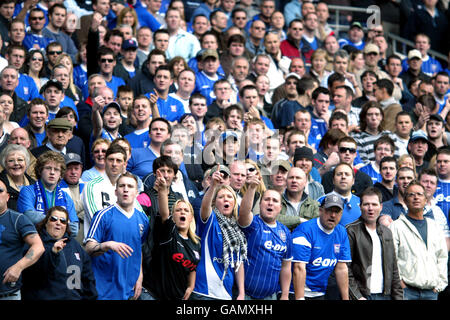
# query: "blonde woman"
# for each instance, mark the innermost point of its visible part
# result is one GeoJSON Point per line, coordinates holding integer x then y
{"type": "Point", "coordinates": [129, 17]}
{"type": "Point", "coordinates": [224, 247]}
{"type": "Point", "coordinates": [406, 160]}
{"type": "Point", "coordinates": [318, 64]}
{"type": "Point", "coordinates": [72, 91]}
{"type": "Point", "coordinates": [176, 250]}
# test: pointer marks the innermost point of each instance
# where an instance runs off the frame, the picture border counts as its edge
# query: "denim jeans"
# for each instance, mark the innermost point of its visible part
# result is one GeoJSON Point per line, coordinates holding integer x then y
{"type": "Point", "coordinates": [378, 296]}
{"type": "Point", "coordinates": [14, 296]}
{"type": "Point", "coordinates": [271, 297]}
{"type": "Point", "coordinates": [410, 293]}
{"type": "Point", "coordinates": [196, 296]}
{"type": "Point", "coordinates": [146, 295]}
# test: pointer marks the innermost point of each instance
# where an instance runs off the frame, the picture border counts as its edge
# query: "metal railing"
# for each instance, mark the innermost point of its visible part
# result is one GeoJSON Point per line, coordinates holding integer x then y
{"type": "Point", "coordinates": [399, 45]}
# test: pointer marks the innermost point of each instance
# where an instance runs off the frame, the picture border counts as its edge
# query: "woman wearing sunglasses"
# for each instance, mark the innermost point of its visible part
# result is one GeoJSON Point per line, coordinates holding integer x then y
{"type": "Point", "coordinates": [64, 270]}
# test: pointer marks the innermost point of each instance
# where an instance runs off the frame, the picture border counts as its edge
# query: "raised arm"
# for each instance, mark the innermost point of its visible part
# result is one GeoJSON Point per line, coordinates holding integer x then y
{"type": "Point", "coordinates": [245, 211]}
{"type": "Point", "coordinates": [163, 195]}
{"type": "Point", "coordinates": [206, 208]}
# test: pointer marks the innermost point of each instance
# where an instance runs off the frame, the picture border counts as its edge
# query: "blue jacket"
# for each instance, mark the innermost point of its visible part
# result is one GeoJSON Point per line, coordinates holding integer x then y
{"type": "Point", "coordinates": [64, 276]}
{"type": "Point", "coordinates": [393, 208]}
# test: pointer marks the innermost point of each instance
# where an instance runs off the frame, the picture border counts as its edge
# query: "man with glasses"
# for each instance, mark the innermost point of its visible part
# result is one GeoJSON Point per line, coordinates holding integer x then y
{"type": "Point", "coordinates": [254, 42]}
{"type": "Point", "coordinates": [107, 62]}
{"type": "Point", "coordinates": [34, 39]}
{"type": "Point", "coordinates": [383, 147]}
{"type": "Point", "coordinates": [347, 154]}
{"type": "Point", "coordinates": [419, 242]}
{"type": "Point", "coordinates": [290, 47]}
{"type": "Point", "coordinates": [371, 57]}
{"type": "Point", "coordinates": [52, 52]}
{"type": "Point", "coordinates": [34, 200]}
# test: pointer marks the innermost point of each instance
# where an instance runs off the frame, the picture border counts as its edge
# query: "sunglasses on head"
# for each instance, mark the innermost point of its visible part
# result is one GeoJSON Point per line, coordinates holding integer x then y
{"type": "Point", "coordinates": [55, 218]}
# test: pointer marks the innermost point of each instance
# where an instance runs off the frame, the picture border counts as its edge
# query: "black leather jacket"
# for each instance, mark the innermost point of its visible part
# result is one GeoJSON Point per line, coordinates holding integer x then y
{"type": "Point", "coordinates": [359, 270]}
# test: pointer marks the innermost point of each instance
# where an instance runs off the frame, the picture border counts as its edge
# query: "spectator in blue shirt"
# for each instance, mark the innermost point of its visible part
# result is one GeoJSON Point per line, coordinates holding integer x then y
{"type": "Point", "coordinates": [34, 39]}
{"type": "Point", "coordinates": [107, 62]}
{"type": "Point", "coordinates": [168, 107]}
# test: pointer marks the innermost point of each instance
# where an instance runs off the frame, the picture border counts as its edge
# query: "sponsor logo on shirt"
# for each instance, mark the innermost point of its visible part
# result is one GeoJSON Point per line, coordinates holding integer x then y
{"type": "Point", "coordinates": [319, 262]}
{"type": "Point", "coordinates": [276, 247]}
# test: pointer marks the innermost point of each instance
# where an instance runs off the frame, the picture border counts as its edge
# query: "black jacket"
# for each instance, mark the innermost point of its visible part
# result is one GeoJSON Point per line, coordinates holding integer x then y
{"type": "Point", "coordinates": [362, 181]}
{"type": "Point", "coordinates": [67, 275]}
{"type": "Point", "coordinates": [359, 270]}
{"type": "Point", "coordinates": [13, 193]}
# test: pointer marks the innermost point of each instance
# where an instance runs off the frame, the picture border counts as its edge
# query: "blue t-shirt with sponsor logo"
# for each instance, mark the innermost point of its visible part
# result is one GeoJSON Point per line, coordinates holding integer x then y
{"type": "Point", "coordinates": [268, 246]}
{"type": "Point", "coordinates": [321, 250]}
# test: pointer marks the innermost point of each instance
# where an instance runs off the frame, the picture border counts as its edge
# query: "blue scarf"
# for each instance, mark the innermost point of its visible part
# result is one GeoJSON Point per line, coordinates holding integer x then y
{"type": "Point", "coordinates": [42, 203]}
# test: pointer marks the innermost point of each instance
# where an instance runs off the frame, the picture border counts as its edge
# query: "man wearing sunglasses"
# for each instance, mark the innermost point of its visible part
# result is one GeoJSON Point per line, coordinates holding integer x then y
{"type": "Point", "coordinates": [419, 242]}
{"type": "Point", "coordinates": [107, 62]}
{"type": "Point", "coordinates": [347, 154]}
{"type": "Point", "coordinates": [34, 39]}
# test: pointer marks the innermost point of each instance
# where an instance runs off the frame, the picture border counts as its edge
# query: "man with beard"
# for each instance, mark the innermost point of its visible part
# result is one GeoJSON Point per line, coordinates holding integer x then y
{"type": "Point", "coordinates": [284, 110]}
